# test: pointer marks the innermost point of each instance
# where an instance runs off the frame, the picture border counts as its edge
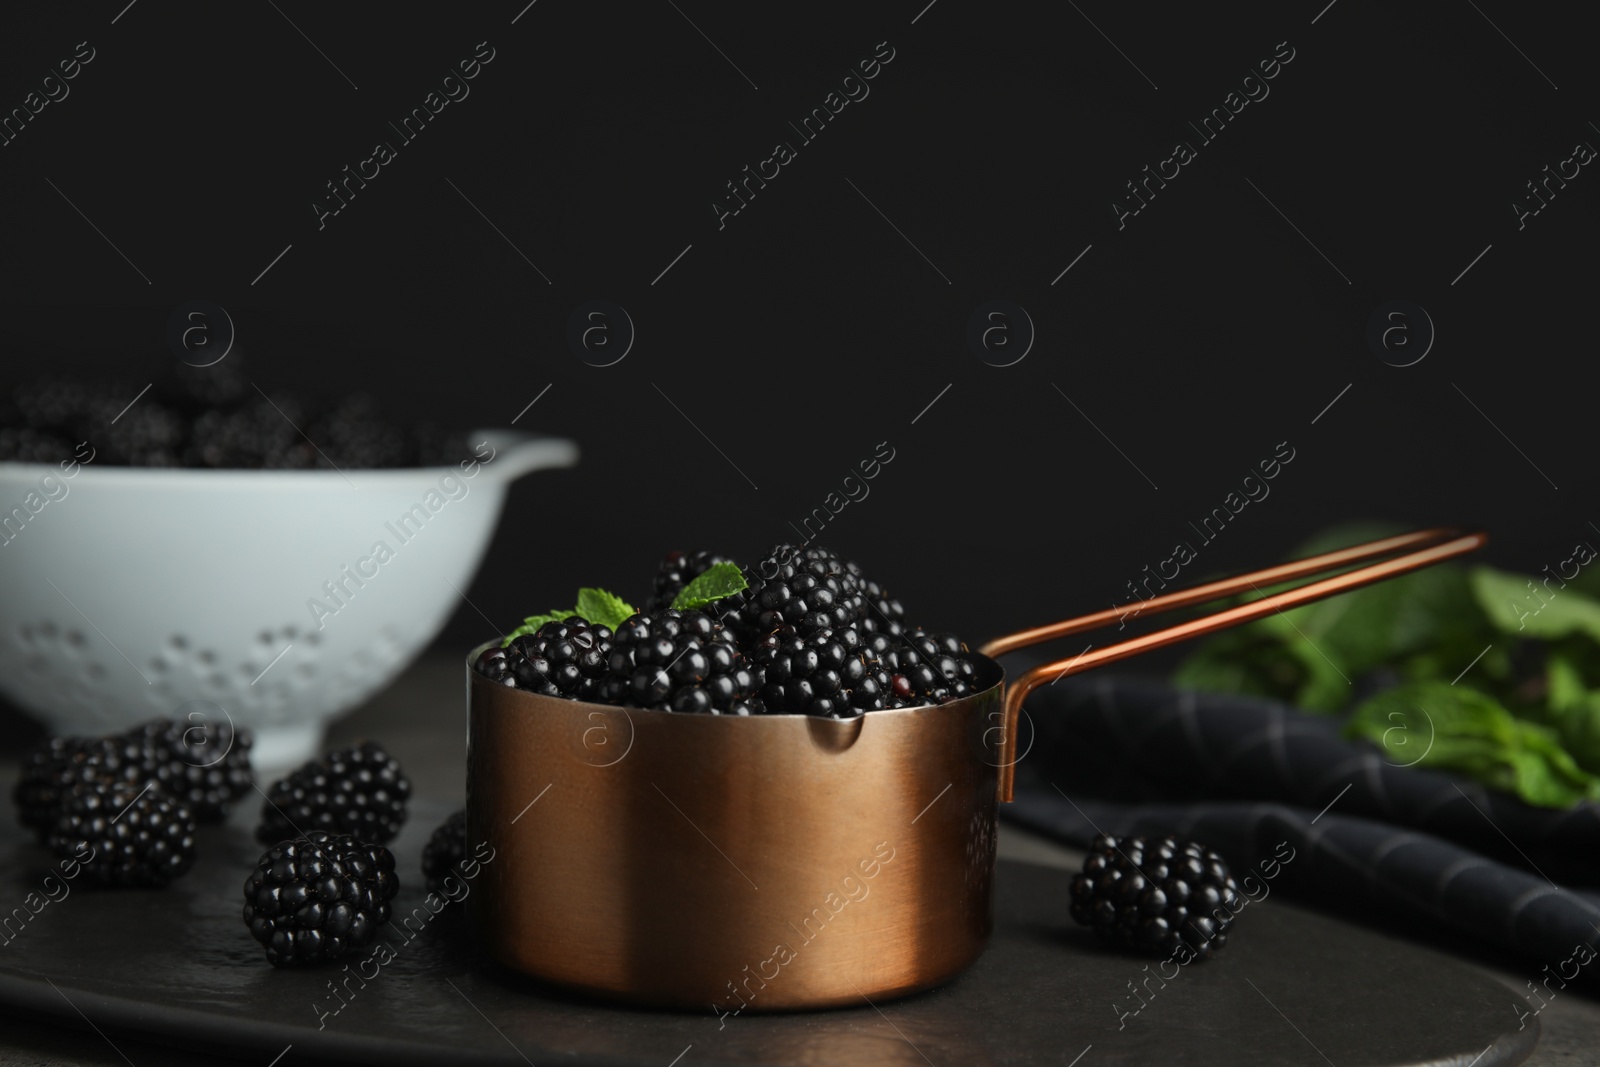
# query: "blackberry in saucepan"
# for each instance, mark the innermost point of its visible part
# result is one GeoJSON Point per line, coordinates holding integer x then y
{"type": "Point", "coordinates": [563, 658]}
{"type": "Point", "coordinates": [205, 765]}
{"type": "Point", "coordinates": [681, 661]}
{"type": "Point", "coordinates": [318, 897]}
{"type": "Point", "coordinates": [359, 791]}
{"type": "Point", "coordinates": [1163, 896]}
{"type": "Point", "coordinates": [446, 848]}
{"type": "Point", "coordinates": [677, 570]}
{"type": "Point", "coordinates": [881, 612]}
{"type": "Point", "coordinates": [809, 589]}
{"type": "Point", "coordinates": [830, 672]}
{"type": "Point", "coordinates": [494, 663]}
{"type": "Point", "coordinates": [123, 833]}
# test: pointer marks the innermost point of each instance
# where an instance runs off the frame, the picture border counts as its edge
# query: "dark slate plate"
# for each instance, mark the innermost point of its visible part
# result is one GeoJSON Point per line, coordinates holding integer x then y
{"type": "Point", "coordinates": [177, 966]}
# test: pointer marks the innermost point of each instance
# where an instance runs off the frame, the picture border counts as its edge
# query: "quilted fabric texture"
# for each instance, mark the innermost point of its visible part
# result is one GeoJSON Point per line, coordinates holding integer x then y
{"type": "Point", "coordinates": [1126, 756]}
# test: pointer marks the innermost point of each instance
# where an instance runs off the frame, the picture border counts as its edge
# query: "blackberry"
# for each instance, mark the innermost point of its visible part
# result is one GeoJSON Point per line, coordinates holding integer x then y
{"type": "Point", "coordinates": [205, 766]}
{"type": "Point", "coordinates": [677, 570]}
{"type": "Point", "coordinates": [260, 434]}
{"type": "Point", "coordinates": [834, 673]}
{"type": "Point", "coordinates": [138, 835]}
{"type": "Point", "coordinates": [928, 668]}
{"type": "Point", "coordinates": [882, 613]}
{"type": "Point", "coordinates": [444, 851]}
{"type": "Point", "coordinates": [53, 768]}
{"type": "Point", "coordinates": [148, 434]}
{"type": "Point", "coordinates": [53, 403]}
{"type": "Point", "coordinates": [1157, 895]}
{"type": "Point", "coordinates": [318, 897]}
{"type": "Point", "coordinates": [680, 661]}
{"type": "Point", "coordinates": [494, 663]}
{"type": "Point", "coordinates": [563, 658]}
{"type": "Point", "coordinates": [359, 791]}
{"type": "Point", "coordinates": [356, 436]}
{"type": "Point", "coordinates": [808, 589]}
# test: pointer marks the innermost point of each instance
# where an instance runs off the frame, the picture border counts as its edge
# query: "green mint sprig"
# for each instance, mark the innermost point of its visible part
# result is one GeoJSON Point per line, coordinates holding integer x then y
{"type": "Point", "coordinates": [717, 581]}
{"type": "Point", "coordinates": [595, 606]}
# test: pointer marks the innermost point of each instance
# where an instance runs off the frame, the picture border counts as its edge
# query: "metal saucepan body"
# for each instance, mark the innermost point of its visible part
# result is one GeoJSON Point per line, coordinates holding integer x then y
{"type": "Point", "coordinates": [697, 861]}
{"type": "Point", "coordinates": [784, 861]}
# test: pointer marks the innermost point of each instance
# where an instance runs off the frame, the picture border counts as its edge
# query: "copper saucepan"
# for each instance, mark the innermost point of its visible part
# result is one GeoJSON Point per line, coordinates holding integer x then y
{"type": "Point", "coordinates": [783, 861]}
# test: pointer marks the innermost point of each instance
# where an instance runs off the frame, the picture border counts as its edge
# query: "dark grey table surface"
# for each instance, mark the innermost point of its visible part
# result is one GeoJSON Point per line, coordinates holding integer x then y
{"type": "Point", "coordinates": [134, 973]}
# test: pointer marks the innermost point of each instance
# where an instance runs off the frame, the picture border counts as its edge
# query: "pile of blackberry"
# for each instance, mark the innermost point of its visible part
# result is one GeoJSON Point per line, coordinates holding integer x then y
{"type": "Point", "coordinates": [209, 417]}
{"type": "Point", "coordinates": [565, 658]}
{"type": "Point", "coordinates": [1163, 896]}
{"type": "Point", "coordinates": [168, 775]}
{"type": "Point", "coordinates": [811, 635]}
{"type": "Point", "coordinates": [682, 661]}
{"type": "Point", "coordinates": [318, 897]}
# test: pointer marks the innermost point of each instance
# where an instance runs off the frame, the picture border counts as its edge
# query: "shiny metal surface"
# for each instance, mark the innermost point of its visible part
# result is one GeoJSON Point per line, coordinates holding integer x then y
{"type": "Point", "coordinates": [744, 864]}
{"type": "Point", "coordinates": [782, 861]}
{"type": "Point", "coordinates": [1443, 544]}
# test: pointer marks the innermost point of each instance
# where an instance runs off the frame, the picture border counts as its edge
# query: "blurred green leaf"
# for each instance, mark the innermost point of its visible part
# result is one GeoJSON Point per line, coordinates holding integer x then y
{"type": "Point", "coordinates": [1525, 607]}
{"type": "Point", "coordinates": [1456, 727]}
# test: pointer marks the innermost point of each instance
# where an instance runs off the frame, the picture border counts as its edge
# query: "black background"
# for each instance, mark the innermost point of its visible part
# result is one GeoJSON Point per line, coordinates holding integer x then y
{"type": "Point", "coordinates": [808, 330]}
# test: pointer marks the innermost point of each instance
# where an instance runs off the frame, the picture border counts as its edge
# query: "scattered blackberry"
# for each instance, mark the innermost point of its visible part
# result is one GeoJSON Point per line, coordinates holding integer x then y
{"type": "Point", "coordinates": [681, 661]}
{"type": "Point", "coordinates": [1157, 895]}
{"type": "Point", "coordinates": [205, 766]}
{"type": "Point", "coordinates": [359, 791]}
{"type": "Point", "coordinates": [318, 897]}
{"type": "Point", "coordinates": [563, 658]}
{"type": "Point", "coordinates": [139, 835]}
{"type": "Point", "coordinates": [52, 769]}
{"type": "Point", "coordinates": [444, 851]}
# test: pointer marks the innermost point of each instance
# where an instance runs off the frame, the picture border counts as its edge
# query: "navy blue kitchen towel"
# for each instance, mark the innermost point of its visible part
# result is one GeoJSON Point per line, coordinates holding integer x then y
{"type": "Point", "coordinates": [1246, 775]}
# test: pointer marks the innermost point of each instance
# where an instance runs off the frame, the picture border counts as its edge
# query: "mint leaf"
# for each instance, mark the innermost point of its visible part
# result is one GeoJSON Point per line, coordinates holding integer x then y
{"type": "Point", "coordinates": [1525, 607]}
{"type": "Point", "coordinates": [1572, 710]}
{"type": "Point", "coordinates": [1455, 727]}
{"type": "Point", "coordinates": [532, 623]}
{"type": "Point", "coordinates": [714, 583]}
{"type": "Point", "coordinates": [604, 609]}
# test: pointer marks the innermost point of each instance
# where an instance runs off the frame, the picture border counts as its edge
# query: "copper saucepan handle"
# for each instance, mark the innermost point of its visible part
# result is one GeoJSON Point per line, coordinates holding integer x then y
{"type": "Point", "coordinates": [1442, 544]}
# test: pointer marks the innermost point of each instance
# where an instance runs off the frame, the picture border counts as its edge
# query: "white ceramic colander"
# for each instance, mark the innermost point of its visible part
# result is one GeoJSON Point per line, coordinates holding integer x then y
{"type": "Point", "coordinates": [276, 599]}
